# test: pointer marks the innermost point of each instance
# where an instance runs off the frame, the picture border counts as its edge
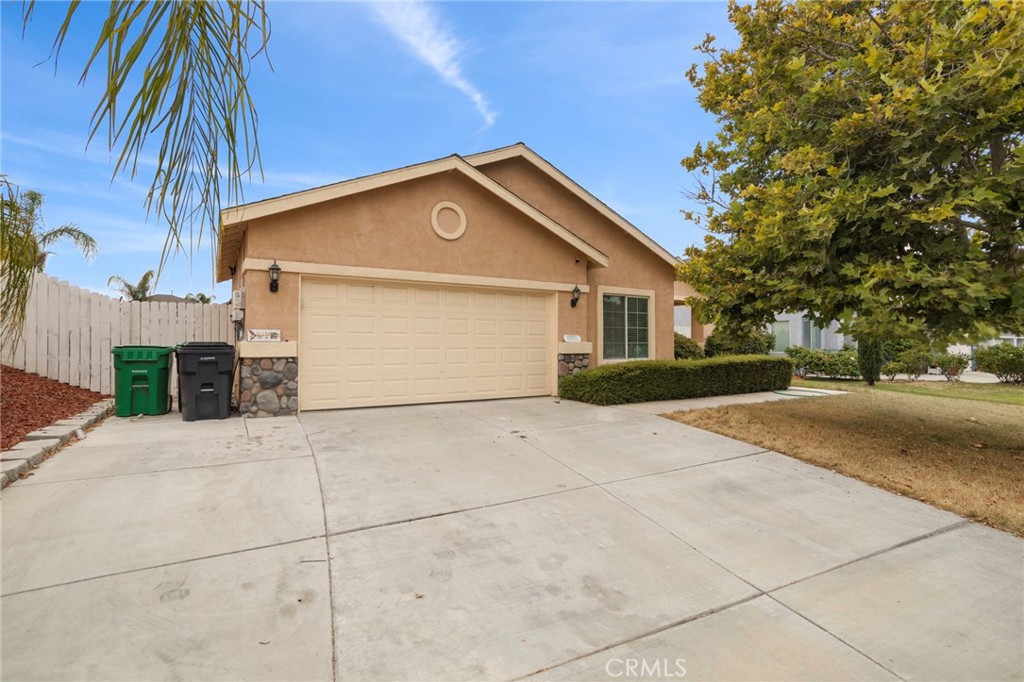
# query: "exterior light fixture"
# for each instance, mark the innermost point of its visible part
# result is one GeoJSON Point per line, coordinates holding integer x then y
{"type": "Point", "coordinates": [575, 296]}
{"type": "Point", "coordinates": [275, 276]}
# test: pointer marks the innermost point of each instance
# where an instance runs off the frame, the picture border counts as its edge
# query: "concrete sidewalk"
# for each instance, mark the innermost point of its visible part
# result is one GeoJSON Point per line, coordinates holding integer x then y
{"type": "Point", "coordinates": [669, 406]}
{"type": "Point", "coordinates": [490, 540]}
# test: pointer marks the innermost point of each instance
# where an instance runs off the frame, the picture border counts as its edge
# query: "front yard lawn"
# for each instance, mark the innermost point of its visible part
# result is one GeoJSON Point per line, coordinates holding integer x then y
{"type": "Point", "coordinates": [1008, 394]}
{"type": "Point", "coordinates": [965, 456]}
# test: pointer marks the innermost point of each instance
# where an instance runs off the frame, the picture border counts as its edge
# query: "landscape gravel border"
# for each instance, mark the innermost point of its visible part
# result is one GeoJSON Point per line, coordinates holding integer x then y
{"type": "Point", "coordinates": [43, 442]}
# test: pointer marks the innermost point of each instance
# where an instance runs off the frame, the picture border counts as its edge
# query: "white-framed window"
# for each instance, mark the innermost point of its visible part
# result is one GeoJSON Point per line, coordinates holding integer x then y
{"type": "Point", "coordinates": [625, 322]}
{"type": "Point", "coordinates": [812, 335]}
{"type": "Point", "coordinates": [781, 328]}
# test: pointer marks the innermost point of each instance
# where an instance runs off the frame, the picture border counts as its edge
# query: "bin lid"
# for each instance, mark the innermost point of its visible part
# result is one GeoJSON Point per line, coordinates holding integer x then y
{"type": "Point", "coordinates": [215, 347]}
{"type": "Point", "coordinates": [199, 344]}
{"type": "Point", "coordinates": [141, 349]}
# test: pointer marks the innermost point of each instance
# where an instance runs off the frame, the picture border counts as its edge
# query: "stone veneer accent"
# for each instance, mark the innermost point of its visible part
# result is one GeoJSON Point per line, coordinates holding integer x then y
{"type": "Point", "coordinates": [268, 387]}
{"type": "Point", "coordinates": [570, 363]}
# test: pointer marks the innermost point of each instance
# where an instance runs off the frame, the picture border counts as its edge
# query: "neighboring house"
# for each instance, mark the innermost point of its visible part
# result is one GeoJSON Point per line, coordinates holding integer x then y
{"type": "Point", "coordinates": [166, 298]}
{"type": "Point", "coordinates": [793, 329]}
{"type": "Point", "coordinates": [1011, 339]}
{"type": "Point", "coordinates": [485, 276]}
{"type": "Point", "coordinates": [685, 322]}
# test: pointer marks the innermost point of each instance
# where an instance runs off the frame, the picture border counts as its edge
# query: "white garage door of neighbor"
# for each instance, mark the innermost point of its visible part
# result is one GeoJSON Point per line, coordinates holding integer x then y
{"type": "Point", "coordinates": [385, 343]}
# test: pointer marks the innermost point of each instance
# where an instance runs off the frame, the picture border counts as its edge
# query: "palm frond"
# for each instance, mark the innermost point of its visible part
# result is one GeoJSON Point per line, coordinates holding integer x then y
{"type": "Point", "coordinates": [192, 96]}
{"type": "Point", "coordinates": [82, 241]}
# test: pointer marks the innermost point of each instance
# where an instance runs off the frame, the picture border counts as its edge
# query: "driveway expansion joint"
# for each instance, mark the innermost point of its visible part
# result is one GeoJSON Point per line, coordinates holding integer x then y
{"type": "Point", "coordinates": [163, 471]}
{"type": "Point", "coordinates": [141, 569]}
{"type": "Point", "coordinates": [453, 512]}
{"type": "Point", "coordinates": [836, 637]}
{"type": "Point", "coordinates": [871, 555]}
{"type": "Point", "coordinates": [327, 551]}
{"type": "Point", "coordinates": [642, 635]}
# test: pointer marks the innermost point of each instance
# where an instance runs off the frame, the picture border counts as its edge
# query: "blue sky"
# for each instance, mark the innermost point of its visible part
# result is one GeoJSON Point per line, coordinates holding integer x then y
{"type": "Point", "coordinates": [598, 89]}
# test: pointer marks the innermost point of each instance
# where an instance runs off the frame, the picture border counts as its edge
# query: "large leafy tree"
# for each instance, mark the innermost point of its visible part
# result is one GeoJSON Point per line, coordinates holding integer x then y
{"type": "Point", "coordinates": [868, 167]}
{"type": "Point", "coordinates": [25, 243]}
{"type": "Point", "coordinates": [174, 76]}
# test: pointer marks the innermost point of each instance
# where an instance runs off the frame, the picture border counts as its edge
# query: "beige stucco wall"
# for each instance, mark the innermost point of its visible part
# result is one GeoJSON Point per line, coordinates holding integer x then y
{"type": "Point", "coordinates": [390, 228]}
{"type": "Point", "coordinates": [632, 265]}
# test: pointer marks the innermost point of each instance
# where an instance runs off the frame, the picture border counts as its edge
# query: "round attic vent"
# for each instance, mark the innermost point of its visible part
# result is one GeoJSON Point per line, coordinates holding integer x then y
{"type": "Point", "coordinates": [448, 220]}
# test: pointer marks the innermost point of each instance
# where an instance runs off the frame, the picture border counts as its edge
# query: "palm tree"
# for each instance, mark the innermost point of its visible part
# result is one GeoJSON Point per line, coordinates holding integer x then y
{"type": "Point", "coordinates": [199, 298]}
{"type": "Point", "coordinates": [39, 239]}
{"type": "Point", "coordinates": [24, 249]}
{"type": "Point", "coordinates": [139, 291]}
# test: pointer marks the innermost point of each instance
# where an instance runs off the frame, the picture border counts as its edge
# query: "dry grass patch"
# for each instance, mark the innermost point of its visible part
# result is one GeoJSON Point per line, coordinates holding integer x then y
{"type": "Point", "coordinates": [963, 456]}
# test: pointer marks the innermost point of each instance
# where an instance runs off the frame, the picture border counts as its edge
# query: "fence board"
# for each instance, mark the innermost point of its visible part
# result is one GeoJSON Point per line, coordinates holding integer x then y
{"type": "Point", "coordinates": [74, 336]}
{"type": "Point", "coordinates": [106, 310]}
{"type": "Point", "coordinates": [190, 321]}
{"type": "Point", "coordinates": [166, 332]}
{"type": "Point", "coordinates": [136, 328]}
{"type": "Point", "coordinates": [96, 333]}
{"type": "Point", "coordinates": [180, 336]}
{"type": "Point", "coordinates": [85, 317]}
{"type": "Point", "coordinates": [63, 332]}
{"type": "Point", "coordinates": [52, 326]}
{"type": "Point", "coordinates": [124, 310]}
{"type": "Point", "coordinates": [28, 335]}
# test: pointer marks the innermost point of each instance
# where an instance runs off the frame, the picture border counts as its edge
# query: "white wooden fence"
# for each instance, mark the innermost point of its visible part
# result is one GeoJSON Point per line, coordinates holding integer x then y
{"type": "Point", "coordinates": [69, 331]}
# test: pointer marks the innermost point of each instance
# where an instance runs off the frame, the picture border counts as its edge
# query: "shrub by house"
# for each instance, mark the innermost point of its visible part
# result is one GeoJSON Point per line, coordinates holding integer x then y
{"type": "Point", "coordinates": [647, 380]}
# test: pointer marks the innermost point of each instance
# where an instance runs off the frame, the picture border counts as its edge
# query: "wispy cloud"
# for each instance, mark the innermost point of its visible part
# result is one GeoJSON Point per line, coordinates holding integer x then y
{"type": "Point", "coordinates": [418, 25]}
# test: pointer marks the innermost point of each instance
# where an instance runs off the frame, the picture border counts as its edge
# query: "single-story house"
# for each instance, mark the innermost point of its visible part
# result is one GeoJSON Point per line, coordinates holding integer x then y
{"type": "Point", "coordinates": [463, 278]}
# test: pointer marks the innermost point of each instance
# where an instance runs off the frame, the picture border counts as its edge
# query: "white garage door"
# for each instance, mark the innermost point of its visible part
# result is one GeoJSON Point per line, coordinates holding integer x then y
{"type": "Point", "coordinates": [385, 343]}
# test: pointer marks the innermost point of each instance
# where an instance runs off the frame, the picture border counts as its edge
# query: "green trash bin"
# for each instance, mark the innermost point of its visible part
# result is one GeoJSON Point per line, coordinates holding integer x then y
{"type": "Point", "coordinates": [140, 380]}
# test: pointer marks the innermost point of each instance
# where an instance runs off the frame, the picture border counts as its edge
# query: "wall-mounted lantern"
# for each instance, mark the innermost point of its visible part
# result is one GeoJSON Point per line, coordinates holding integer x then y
{"type": "Point", "coordinates": [575, 296]}
{"type": "Point", "coordinates": [275, 276]}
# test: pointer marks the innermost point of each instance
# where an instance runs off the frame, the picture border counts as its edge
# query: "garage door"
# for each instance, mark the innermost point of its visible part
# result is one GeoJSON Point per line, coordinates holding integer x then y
{"type": "Point", "coordinates": [382, 343]}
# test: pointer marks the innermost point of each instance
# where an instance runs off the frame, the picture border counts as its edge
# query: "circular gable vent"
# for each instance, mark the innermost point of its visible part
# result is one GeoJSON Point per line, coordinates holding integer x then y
{"type": "Point", "coordinates": [448, 220]}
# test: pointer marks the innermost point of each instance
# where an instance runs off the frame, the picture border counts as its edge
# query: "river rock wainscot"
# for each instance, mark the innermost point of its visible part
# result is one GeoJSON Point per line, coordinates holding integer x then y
{"type": "Point", "coordinates": [268, 387]}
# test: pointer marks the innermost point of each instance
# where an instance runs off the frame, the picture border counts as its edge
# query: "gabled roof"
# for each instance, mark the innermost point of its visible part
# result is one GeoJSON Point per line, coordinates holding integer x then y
{"type": "Point", "coordinates": [233, 220]}
{"type": "Point", "coordinates": [520, 150]}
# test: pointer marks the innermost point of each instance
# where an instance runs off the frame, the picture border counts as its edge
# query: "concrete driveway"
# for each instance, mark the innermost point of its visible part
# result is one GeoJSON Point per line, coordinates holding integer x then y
{"type": "Point", "coordinates": [492, 540]}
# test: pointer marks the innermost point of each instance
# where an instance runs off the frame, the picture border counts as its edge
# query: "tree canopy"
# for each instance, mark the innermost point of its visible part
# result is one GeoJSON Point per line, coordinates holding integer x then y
{"type": "Point", "coordinates": [868, 167]}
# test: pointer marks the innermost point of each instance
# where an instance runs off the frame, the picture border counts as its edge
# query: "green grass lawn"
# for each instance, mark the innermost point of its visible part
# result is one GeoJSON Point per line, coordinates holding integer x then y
{"type": "Point", "coordinates": [1007, 394]}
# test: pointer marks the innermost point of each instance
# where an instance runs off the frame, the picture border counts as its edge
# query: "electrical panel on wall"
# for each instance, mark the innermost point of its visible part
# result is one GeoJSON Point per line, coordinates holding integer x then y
{"type": "Point", "coordinates": [237, 305]}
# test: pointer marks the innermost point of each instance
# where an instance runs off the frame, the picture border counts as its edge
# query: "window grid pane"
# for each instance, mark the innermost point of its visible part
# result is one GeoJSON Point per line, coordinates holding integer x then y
{"type": "Point", "coordinates": [614, 327]}
{"type": "Point", "coordinates": [636, 327]}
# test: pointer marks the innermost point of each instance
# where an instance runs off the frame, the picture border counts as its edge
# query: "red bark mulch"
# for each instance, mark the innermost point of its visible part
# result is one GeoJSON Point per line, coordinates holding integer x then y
{"type": "Point", "coordinates": [29, 402]}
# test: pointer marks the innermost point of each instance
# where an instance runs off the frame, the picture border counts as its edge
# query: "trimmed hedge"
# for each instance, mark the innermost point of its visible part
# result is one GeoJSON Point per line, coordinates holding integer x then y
{"type": "Point", "coordinates": [687, 348]}
{"type": "Point", "coordinates": [721, 342]}
{"type": "Point", "coordinates": [646, 380]}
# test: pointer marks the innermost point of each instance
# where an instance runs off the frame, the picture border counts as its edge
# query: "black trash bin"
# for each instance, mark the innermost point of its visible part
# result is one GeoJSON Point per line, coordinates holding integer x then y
{"type": "Point", "coordinates": [205, 370]}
